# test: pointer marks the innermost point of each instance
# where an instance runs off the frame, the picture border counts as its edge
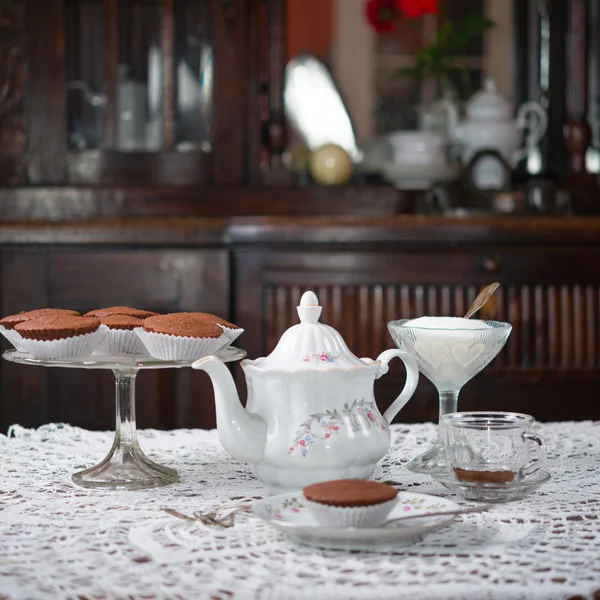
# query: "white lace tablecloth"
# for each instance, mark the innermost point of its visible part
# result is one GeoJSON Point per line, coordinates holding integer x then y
{"type": "Point", "coordinates": [59, 541]}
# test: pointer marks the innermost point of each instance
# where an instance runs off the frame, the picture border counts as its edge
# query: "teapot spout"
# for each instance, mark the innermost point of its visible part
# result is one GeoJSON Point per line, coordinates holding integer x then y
{"type": "Point", "coordinates": [452, 118]}
{"type": "Point", "coordinates": [243, 434]}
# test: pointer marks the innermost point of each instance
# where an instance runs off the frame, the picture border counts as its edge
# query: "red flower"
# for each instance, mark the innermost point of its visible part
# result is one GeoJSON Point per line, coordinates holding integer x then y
{"type": "Point", "coordinates": [381, 14]}
{"type": "Point", "coordinates": [413, 9]}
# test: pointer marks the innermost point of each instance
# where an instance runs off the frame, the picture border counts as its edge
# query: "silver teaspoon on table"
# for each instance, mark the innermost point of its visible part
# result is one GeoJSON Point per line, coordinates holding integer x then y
{"type": "Point", "coordinates": [447, 513]}
{"type": "Point", "coordinates": [228, 521]}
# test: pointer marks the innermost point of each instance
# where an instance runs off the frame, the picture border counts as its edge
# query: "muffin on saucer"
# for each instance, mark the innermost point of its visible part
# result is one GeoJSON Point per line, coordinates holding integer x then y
{"type": "Point", "coordinates": [350, 502]}
{"type": "Point", "coordinates": [7, 324]}
{"type": "Point", "coordinates": [186, 335]}
{"type": "Point", "coordinates": [120, 338]}
{"type": "Point", "coordinates": [60, 337]}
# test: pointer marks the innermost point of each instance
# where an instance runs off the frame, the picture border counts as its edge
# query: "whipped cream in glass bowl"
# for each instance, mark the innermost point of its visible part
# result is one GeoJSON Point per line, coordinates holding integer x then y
{"type": "Point", "coordinates": [449, 352]}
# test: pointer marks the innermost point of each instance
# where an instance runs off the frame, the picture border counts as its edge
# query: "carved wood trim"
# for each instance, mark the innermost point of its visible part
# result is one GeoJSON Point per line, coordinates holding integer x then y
{"type": "Point", "coordinates": [167, 45]}
{"type": "Point", "coordinates": [274, 129]}
{"type": "Point", "coordinates": [576, 130]}
{"type": "Point", "coordinates": [111, 33]}
{"type": "Point", "coordinates": [46, 102]}
{"type": "Point", "coordinates": [275, 132]}
{"type": "Point", "coordinates": [13, 81]}
{"type": "Point", "coordinates": [229, 37]}
{"type": "Point", "coordinates": [230, 14]}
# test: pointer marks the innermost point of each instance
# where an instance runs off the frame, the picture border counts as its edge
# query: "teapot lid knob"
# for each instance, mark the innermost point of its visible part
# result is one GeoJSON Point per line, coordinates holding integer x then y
{"type": "Point", "coordinates": [490, 85]}
{"type": "Point", "coordinates": [309, 310]}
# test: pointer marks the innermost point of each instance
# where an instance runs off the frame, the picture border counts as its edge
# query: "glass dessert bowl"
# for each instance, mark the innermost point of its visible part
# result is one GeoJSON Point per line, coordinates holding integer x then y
{"type": "Point", "coordinates": [449, 352]}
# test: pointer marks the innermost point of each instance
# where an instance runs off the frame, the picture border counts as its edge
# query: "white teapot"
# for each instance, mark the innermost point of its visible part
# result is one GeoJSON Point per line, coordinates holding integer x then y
{"type": "Point", "coordinates": [310, 415]}
{"type": "Point", "coordinates": [489, 125]}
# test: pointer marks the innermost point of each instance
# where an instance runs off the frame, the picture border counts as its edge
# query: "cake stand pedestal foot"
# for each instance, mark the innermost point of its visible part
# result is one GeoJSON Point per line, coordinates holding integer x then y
{"type": "Point", "coordinates": [126, 466]}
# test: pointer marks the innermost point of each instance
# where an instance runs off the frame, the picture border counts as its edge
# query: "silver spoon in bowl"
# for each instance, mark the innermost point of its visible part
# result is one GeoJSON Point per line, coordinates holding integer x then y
{"type": "Point", "coordinates": [483, 296]}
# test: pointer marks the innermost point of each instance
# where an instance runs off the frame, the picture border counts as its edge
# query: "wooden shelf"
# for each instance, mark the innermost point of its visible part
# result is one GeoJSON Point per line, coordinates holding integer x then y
{"type": "Point", "coordinates": [300, 231]}
{"type": "Point", "coordinates": [78, 203]}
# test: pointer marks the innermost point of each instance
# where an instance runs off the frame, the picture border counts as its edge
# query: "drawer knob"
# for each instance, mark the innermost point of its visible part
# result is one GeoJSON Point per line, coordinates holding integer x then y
{"type": "Point", "coordinates": [492, 265]}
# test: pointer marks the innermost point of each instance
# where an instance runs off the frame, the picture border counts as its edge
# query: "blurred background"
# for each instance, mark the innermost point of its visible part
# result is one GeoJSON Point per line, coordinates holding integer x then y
{"type": "Point", "coordinates": [226, 155]}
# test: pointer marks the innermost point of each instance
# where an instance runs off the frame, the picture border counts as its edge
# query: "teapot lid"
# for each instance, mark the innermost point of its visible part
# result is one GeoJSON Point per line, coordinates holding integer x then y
{"type": "Point", "coordinates": [488, 104]}
{"type": "Point", "coordinates": [310, 344]}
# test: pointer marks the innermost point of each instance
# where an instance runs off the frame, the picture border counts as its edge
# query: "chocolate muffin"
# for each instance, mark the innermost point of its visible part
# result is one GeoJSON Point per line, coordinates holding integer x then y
{"type": "Point", "coordinates": [120, 322]}
{"type": "Point", "coordinates": [121, 337]}
{"type": "Point", "coordinates": [42, 314]}
{"type": "Point", "coordinates": [57, 328]}
{"type": "Point", "coordinates": [186, 336]}
{"type": "Point", "coordinates": [121, 310]}
{"type": "Point", "coordinates": [219, 320]}
{"type": "Point", "coordinates": [350, 502]}
{"type": "Point", "coordinates": [190, 324]}
{"type": "Point", "coordinates": [350, 492]}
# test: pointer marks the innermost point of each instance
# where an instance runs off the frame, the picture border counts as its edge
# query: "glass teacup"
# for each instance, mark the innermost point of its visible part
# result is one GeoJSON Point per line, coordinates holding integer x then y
{"type": "Point", "coordinates": [491, 447]}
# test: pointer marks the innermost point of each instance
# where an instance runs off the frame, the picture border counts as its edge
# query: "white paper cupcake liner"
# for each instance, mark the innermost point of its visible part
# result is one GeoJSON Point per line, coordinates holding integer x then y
{"type": "Point", "coordinates": [78, 346]}
{"type": "Point", "coordinates": [14, 337]}
{"type": "Point", "coordinates": [230, 335]}
{"type": "Point", "coordinates": [351, 516]}
{"type": "Point", "coordinates": [173, 347]}
{"type": "Point", "coordinates": [119, 342]}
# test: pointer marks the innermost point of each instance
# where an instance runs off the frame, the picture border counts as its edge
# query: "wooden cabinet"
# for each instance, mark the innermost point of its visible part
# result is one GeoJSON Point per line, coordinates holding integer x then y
{"type": "Point", "coordinates": [93, 212]}
{"type": "Point", "coordinates": [164, 280]}
{"type": "Point", "coordinates": [366, 271]}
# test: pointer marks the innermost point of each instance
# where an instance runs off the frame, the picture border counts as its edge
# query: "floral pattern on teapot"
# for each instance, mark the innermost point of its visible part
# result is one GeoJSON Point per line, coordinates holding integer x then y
{"type": "Point", "coordinates": [321, 357]}
{"type": "Point", "coordinates": [361, 414]}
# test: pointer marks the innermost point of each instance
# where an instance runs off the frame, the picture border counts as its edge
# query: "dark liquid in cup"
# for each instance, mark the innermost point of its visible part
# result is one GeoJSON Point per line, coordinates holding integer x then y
{"type": "Point", "coordinates": [477, 476]}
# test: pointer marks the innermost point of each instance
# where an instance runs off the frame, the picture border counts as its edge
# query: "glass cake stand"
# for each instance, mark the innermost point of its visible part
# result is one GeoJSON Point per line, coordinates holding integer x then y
{"type": "Point", "coordinates": [126, 466]}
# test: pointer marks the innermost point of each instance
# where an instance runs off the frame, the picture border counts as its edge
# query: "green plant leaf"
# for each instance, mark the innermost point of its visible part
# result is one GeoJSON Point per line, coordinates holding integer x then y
{"type": "Point", "coordinates": [439, 56]}
{"type": "Point", "coordinates": [409, 71]}
{"type": "Point", "coordinates": [468, 28]}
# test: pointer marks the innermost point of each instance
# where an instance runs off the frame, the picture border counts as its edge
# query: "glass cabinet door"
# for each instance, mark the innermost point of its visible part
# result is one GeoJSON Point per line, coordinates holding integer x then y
{"type": "Point", "coordinates": [139, 80]}
{"type": "Point", "coordinates": [151, 93]}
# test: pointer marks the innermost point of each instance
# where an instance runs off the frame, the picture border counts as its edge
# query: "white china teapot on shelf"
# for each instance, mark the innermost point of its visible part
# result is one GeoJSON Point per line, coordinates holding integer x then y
{"type": "Point", "coordinates": [490, 125]}
{"type": "Point", "coordinates": [310, 415]}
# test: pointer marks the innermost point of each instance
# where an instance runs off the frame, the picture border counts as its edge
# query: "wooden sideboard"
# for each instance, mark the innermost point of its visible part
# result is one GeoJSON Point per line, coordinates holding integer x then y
{"type": "Point", "coordinates": [366, 271]}
{"type": "Point", "coordinates": [173, 226]}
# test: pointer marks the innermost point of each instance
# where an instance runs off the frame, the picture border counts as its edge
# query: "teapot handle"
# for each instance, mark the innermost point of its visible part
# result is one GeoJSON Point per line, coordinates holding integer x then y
{"type": "Point", "coordinates": [412, 378]}
{"type": "Point", "coordinates": [536, 132]}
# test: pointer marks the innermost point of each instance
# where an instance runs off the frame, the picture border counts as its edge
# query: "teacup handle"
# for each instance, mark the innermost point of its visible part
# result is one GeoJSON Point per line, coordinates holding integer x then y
{"type": "Point", "coordinates": [543, 454]}
{"type": "Point", "coordinates": [412, 378]}
{"type": "Point", "coordinates": [535, 134]}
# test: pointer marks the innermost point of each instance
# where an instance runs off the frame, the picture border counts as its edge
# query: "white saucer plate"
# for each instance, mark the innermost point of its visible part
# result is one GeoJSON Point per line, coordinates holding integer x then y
{"type": "Point", "coordinates": [493, 492]}
{"type": "Point", "coordinates": [289, 514]}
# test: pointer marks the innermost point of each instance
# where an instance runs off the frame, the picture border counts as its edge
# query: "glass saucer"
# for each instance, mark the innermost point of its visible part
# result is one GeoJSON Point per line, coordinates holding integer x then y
{"type": "Point", "coordinates": [492, 492]}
